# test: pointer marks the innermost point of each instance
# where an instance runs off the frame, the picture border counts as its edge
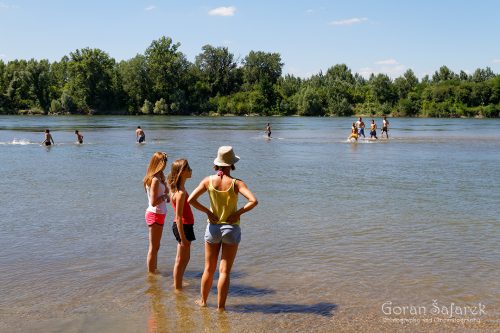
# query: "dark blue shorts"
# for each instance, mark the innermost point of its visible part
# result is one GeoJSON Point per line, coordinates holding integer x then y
{"type": "Point", "coordinates": [188, 231]}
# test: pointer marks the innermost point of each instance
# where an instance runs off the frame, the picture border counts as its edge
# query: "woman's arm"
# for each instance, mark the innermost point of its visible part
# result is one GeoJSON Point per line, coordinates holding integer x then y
{"type": "Point", "coordinates": [193, 201]}
{"type": "Point", "coordinates": [252, 202]}
{"type": "Point", "coordinates": [156, 198]}
{"type": "Point", "coordinates": [179, 198]}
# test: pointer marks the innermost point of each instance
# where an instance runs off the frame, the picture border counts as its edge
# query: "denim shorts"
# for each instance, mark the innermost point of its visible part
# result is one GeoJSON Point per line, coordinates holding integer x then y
{"type": "Point", "coordinates": [225, 233]}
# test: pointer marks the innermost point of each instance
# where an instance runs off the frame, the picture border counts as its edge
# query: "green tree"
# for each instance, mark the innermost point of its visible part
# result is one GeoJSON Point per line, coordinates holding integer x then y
{"type": "Point", "coordinates": [405, 84]}
{"type": "Point", "coordinates": [339, 87]}
{"type": "Point", "coordinates": [383, 89]}
{"type": "Point", "coordinates": [147, 108]}
{"type": "Point", "coordinates": [161, 107]}
{"type": "Point", "coordinates": [90, 79]}
{"type": "Point", "coordinates": [135, 81]}
{"type": "Point", "coordinates": [217, 70]}
{"type": "Point", "coordinates": [310, 102]}
{"type": "Point", "coordinates": [167, 70]}
{"type": "Point", "coordinates": [443, 74]}
{"type": "Point", "coordinates": [261, 72]}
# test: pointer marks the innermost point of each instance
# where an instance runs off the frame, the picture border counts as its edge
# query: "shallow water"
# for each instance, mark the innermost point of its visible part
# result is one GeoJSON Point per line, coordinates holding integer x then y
{"type": "Point", "coordinates": [340, 229]}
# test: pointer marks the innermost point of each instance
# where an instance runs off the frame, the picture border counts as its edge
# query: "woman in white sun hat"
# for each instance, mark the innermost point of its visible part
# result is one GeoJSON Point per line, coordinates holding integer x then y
{"type": "Point", "coordinates": [223, 229]}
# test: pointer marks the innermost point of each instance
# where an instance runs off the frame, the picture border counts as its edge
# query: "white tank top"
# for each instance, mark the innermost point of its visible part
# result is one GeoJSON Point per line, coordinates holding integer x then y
{"type": "Point", "coordinates": [162, 207]}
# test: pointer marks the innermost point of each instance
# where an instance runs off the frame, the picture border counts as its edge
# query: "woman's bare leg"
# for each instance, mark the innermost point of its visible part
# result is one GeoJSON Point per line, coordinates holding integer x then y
{"type": "Point", "coordinates": [226, 263]}
{"type": "Point", "coordinates": [155, 232]}
{"type": "Point", "coordinates": [211, 256]}
{"type": "Point", "coordinates": [181, 262]}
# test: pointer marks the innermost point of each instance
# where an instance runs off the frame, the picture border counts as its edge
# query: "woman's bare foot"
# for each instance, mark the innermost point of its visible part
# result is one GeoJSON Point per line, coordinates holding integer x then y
{"type": "Point", "coordinates": [184, 284]}
{"type": "Point", "coordinates": [156, 272]}
{"type": "Point", "coordinates": [201, 303]}
{"type": "Point", "coordinates": [221, 309]}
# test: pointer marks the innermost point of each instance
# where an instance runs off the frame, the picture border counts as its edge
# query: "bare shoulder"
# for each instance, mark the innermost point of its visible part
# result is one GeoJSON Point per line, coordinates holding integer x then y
{"type": "Point", "coordinates": [239, 183]}
{"type": "Point", "coordinates": [179, 195]}
{"type": "Point", "coordinates": [204, 182]}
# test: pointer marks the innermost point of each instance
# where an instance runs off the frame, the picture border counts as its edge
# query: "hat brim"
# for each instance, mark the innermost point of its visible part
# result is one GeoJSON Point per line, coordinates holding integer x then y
{"type": "Point", "coordinates": [222, 163]}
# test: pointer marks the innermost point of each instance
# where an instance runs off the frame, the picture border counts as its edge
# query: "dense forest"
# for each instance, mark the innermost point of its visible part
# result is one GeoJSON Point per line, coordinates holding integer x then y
{"type": "Point", "coordinates": [163, 81]}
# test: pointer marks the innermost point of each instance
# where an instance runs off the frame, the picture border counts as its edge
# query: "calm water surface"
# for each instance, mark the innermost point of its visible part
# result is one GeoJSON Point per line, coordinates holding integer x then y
{"type": "Point", "coordinates": [340, 228]}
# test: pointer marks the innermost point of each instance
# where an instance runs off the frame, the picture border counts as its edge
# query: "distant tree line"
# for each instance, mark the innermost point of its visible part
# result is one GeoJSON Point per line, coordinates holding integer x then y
{"type": "Point", "coordinates": [163, 81]}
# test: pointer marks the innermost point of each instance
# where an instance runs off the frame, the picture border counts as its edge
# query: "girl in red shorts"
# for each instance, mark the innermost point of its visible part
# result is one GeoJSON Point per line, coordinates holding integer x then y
{"type": "Point", "coordinates": [157, 191]}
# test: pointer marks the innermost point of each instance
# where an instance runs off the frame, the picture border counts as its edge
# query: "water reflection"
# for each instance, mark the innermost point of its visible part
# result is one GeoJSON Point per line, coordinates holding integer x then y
{"type": "Point", "coordinates": [158, 320]}
{"type": "Point", "coordinates": [215, 321]}
{"type": "Point", "coordinates": [184, 313]}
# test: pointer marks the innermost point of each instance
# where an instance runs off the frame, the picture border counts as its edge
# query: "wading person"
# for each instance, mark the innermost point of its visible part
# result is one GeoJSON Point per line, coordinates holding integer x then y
{"type": "Point", "coordinates": [354, 132]}
{"type": "Point", "coordinates": [360, 125]}
{"type": "Point", "coordinates": [140, 135]}
{"type": "Point", "coordinates": [48, 138]}
{"type": "Point", "coordinates": [79, 137]}
{"type": "Point", "coordinates": [373, 130]}
{"type": "Point", "coordinates": [223, 231]}
{"type": "Point", "coordinates": [385, 128]}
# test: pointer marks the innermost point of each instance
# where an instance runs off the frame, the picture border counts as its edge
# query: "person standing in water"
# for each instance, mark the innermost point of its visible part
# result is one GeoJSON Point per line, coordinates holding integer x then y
{"type": "Point", "coordinates": [184, 220]}
{"type": "Point", "coordinates": [268, 130]}
{"type": "Point", "coordinates": [354, 132]}
{"type": "Point", "coordinates": [79, 137]}
{"type": "Point", "coordinates": [139, 135]}
{"type": "Point", "coordinates": [223, 233]}
{"type": "Point", "coordinates": [373, 130]}
{"type": "Point", "coordinates": [360, 125]}
{"type": "Point", "coordinates": [157, 192]}
{"type": "Point", "coordinates": [385, 128]}
{"type": "Point", "coordinates": [48, 139]}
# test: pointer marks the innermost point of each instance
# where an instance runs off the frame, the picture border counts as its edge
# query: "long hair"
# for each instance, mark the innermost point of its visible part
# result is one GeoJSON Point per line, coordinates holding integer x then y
{"type": "Point", "coordinates": [174, 177]}
{"type": "Point", "coordinates": [157, 164]}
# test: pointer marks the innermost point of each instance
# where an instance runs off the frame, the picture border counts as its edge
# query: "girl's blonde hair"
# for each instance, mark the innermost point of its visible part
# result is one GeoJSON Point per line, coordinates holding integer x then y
{"type": "Point", "coordinates": [174, 177]}
{"type": "Point", "coordinates": [157, 164]}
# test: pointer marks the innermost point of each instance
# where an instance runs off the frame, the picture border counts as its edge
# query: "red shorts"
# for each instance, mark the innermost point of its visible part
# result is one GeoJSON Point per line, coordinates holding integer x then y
{"type": "Point", "coordinates": [152, 218]}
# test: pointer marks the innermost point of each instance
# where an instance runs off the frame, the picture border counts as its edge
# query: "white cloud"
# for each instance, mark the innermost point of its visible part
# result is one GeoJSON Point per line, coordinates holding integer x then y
{"type": "Point", "coordinates": [310, 11]}
{"type": "Point", "coordinates": [365, 71]}
{"type": "Point", "coordinates": [222, 11]}
{"type": "Point", "coordinates": [351, 21]}
{"type": "Point", "coordinates": [150, 8]}
{"type": "Point", "coordinates": [4, 5]}
{"type": "Point", "coordinates": [393, 71]}
{"type": "Point", "coordinates": [389, 67]}
{"type": "Point", "coordinates": [3, 56]}
{"type": "Point", "coordinates": [387, 62]}
{"type": "Point", "coordinates": [496, 61]}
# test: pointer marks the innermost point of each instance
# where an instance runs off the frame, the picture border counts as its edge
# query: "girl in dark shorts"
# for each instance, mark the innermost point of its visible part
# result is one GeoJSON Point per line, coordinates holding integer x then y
{"type": "Point", "coordinates": [184, 220]}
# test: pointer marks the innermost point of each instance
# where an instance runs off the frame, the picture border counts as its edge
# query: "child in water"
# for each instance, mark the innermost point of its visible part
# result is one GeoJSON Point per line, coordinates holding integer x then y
{"type": "Point", "coordinates": [184, 220]}
{"type": "Point", "coordinates": [354, 132]}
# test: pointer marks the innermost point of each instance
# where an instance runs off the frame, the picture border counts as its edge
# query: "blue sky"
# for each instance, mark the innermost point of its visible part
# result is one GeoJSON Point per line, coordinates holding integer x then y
{"type": "Point", "coordinates": [368, 36]}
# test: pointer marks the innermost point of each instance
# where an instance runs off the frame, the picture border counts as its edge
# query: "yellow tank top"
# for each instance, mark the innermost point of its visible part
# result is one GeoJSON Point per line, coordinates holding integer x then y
{"type": "Point", "coordinates": [223, 203]}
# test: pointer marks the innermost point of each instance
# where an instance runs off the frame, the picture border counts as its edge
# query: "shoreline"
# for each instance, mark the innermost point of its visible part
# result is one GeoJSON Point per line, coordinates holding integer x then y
{"type": "Point", "coordinates": [217, 115]}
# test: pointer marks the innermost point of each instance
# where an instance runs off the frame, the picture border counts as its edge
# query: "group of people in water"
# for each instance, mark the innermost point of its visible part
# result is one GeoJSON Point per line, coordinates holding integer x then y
{"type": "Point", "coordinates": [358, 129]}
{"type": "Point", "coordinates": [49, 140]}
{"type": "Point", "coordinates": [222, 233]}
